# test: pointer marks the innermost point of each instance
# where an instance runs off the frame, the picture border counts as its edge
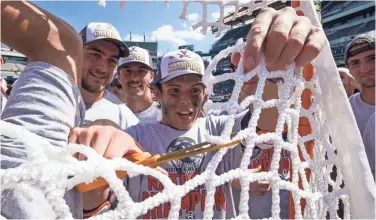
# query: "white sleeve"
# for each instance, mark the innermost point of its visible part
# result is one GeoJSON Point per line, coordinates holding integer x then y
{"type": "Point", "coordinates": [127, 118]}
{"type": "Point", "coordinates": [46, 101]}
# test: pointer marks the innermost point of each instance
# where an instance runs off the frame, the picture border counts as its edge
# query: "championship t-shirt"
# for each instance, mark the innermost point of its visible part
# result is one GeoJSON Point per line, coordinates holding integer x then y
{"type": "Point", "coordinates": [157, 138]}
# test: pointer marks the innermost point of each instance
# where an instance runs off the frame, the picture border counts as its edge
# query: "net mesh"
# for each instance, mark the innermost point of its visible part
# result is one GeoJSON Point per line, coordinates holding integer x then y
{"type": "Point", "coordinates": [54, 170]}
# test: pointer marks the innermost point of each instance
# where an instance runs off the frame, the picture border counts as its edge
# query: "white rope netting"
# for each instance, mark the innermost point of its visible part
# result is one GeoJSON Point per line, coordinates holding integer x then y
{"type": "Point", "coordinates": [54, 170]}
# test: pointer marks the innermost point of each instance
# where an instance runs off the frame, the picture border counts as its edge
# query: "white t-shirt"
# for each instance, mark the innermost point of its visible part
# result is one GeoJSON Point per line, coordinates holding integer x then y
{"type": "Point", "coordinates": [157, 138]}
{"type": "Point", "coordinates": [365, 118]}
{"type": "Point", "coordinates": [110, 108]}
{"type": "Point", "coordinates": [369, 142]}
{"type": "Point", "coordinates": [362, 111]}
{"type": "Point", "coordinates": [150, 114]}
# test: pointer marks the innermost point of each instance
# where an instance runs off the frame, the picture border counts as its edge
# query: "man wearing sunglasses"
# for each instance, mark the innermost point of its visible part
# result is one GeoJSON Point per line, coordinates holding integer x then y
{"type": "Point", "coordinates": [136, 76]}
{"type": "Point", "coordinates": [360, 59]}
{"type": "Point", "coordinates": [102, 50]}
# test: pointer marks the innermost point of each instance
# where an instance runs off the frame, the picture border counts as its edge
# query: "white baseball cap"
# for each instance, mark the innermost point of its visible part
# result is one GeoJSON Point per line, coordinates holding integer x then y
{"type": "Point", "coordinates": [103, 31]}
{"type": "Point", "coordinates": [137, 55]}
{"type": "Point", "coordinates": [178, 63]}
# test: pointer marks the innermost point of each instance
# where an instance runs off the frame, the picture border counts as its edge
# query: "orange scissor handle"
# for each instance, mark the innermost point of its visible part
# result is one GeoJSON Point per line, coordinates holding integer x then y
{"type": "Point", "coordinates": [143, 158]}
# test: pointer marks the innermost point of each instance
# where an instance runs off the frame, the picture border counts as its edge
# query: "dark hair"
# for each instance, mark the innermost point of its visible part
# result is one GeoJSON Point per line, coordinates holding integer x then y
{"type": "Point", "coordinates": [115, 83]}
{"type": "Point", "coordinates": [159, 87]}
{"type": "Point", "coordinates": [9, 90]}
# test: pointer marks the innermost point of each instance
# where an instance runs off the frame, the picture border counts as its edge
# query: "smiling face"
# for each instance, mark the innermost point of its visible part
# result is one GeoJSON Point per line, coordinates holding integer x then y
{"type": "Point", "coordinates": [362, 67]}
{"type": "Point", "coordinates": [181, 101]}
{"type": "Point", "coordinates": [100, 60]}
{"type": "Point", "coordinates": [135, 79]}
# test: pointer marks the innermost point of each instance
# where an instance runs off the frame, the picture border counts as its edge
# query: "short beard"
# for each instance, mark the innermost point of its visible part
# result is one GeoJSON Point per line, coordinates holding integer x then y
{"type": "Point", "coordinates": [369, 85]}
{"type": "Point", "coordinates": [88, 87]}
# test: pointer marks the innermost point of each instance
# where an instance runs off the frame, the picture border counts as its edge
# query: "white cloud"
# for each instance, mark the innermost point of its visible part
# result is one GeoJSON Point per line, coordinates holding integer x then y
{"type": "Point", "coordinates": [227, 10]}
{"type": "Point", "coordinates": [135, 37]}
{"type": "Point", "coordinates": [192, 17]}
{"type": "Point", "coordinates": [176, 37]}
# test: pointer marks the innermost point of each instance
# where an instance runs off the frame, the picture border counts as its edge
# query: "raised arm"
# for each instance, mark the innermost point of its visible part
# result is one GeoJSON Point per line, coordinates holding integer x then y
{"type": "Point", "coordinates": [45, 100]}
{"type": "Point", "coordinates": [41, 36]}
{"type": "Point", "coordinates": [284, 37]}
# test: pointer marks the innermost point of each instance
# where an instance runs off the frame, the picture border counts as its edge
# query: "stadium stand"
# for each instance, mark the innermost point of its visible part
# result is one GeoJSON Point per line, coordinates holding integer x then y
{"type": "Point", "coordinates": [222, 91]}
{"type": "Point", "coordinates": [15, 63]}
{"type": "Point", "coordinates": [344, 20]}
{"type": "Point", "coordinates": [230, 38]}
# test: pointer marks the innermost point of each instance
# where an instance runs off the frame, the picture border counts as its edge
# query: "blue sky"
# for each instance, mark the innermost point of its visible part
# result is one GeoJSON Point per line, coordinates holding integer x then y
{"type": "Point", "coordinates": [153, 18]}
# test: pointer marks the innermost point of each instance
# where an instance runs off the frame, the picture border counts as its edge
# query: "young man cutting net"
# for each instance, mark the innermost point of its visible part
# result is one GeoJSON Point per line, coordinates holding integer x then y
{"type": "Point", "coordinates": [285, 38]}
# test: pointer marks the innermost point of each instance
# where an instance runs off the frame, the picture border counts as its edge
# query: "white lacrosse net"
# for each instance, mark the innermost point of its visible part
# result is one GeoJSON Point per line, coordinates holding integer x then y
{"type": "Point", "coordinates": [54, 170]}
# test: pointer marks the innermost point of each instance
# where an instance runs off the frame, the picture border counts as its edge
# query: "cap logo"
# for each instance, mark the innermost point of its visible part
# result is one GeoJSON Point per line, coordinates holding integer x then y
{"type": "Point", "coordinates": [132, 49]}
{"type": "Point", "coordinates": [183, 53]}
{"type": "Point", "coordinates": [137, 57]}
{"type": "Point", "coordinates": [184, 65]}
{"type": "Point", "coordinates": [103, 33]}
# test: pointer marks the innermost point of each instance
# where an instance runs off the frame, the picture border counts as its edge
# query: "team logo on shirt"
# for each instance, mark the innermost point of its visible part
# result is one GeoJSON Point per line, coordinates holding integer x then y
{"type": "Point", "coordinates": [189, 163]}
{"type": "Point", "coordinates": [190, 215]}
{"type": "Point", "coordinates": [181, 171]}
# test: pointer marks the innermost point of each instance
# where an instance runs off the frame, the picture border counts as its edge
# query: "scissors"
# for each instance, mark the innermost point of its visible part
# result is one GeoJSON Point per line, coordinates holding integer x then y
{"type": "Point", "coordinates": [147, 159]}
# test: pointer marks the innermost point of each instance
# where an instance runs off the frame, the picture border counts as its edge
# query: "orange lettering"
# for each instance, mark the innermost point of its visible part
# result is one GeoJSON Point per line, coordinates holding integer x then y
{"type": "Point", "coordinates": [185, 203]}
{"type": "Point", "coordinates": [146, 195]}
{"type": "Point", "coordinates": [152, 183]}
{"type": "Point", "coordinates": [203, 194]}
{"type": "Point", "coordinates": [255, 163]}
{"type": "Point", "coordinates": [191, 175]}
{"type": "Point", "coordinates": [220, 200]}
{"type": "Point", "coordinates": [159, 211]}
{"type": "Point", "coordinates": [182, 179]}
{"type": "Point", "coordinates": [166, 210]}
{"type": "Point", "coordinates": [266, 165]}
{"type": "Point", "coordinates": [173, 177]}
{"type": "Point", "coordinates": [195, 200]}
{"type": "Point", "coordinates": [284, 165]}
{"type": "Point", "coordinates": [154, 210]}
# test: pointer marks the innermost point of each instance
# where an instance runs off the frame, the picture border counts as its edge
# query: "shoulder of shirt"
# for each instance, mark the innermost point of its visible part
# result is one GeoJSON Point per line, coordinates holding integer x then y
{"type": "Point", "coordinates": [141, 125]}
{"type": "Point", "coordinates": [355, 96]}
{"type": "Point", "coordinates": [109, 96]}
{"type": "Point", "coordinates": [148, 123]}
